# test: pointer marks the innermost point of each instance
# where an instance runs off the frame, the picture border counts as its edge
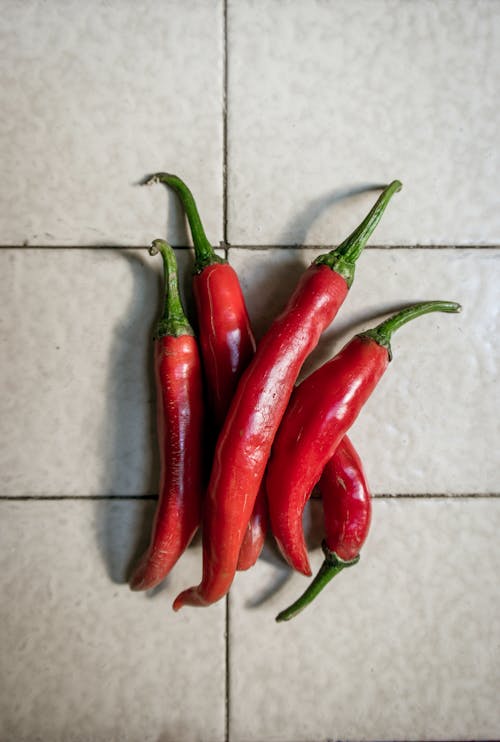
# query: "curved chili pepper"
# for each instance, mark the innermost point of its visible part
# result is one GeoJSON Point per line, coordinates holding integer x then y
{"type": "Point", "coordinates": [322, 409]}
{"type": "Point", "coordinates": [179, 416]}
{"type": "Point", "coordinates": [226, 339]}
{"type": "Point", "coordinates": [255, 533]}
{"type": "Point", "coordinates": [347, 509]}
{"type": "Point", "coordinates": [260, 401]}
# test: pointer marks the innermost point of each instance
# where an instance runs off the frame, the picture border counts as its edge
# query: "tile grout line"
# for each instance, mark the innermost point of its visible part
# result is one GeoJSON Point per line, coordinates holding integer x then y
{"type": "Point", "coordinates": [148, 498]}
{"type": "Point", "coordinates": [227, 697]}
{"type": "Point", "coordinates": [225, 244]}
{"type": "Point", "coordinates": [224, 122]}
{"type": "Point", "coordinates": [244, 246]}
{"type": "Point", "coordinates": [318, 246]}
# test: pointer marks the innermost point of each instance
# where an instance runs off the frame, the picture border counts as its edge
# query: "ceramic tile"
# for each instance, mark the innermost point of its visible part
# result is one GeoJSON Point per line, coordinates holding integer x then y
{"type": "Point", "coordinates": [402, 646]}
{"type": "Point", "coordinates": [82, 657]}
{"type": "Point", "coordinates": [327, 99]}
{"type": "Point", "coordinates": [95, 96]}
{"type": "Point", "coordinates": [77, 385]}
{"type": "Point", "coordinates": [430, 426]}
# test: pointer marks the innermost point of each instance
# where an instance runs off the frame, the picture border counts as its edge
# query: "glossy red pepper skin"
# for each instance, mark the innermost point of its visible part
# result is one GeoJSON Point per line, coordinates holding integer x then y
{"type": "Point", "coordinates": [346, 502]}
{"type": "Point", "coordinates": [227, 347]}
{"type": "Point", "coordinates": [322, 409]}
{"type": "Point", "coordinates": [179, 422]}
{"type": "Point", "coordinates": [255, 533]}
{"type": "Point", "coordinates": [347, 510]}
{"type": "Point", "coordinates": [260, 401]}
{"type": "Point", "coordinates": [253, 418]}
{"type": "Point", "coordinates": [180, 415]}
{"type": "Point", "coordinates": [226, 339]}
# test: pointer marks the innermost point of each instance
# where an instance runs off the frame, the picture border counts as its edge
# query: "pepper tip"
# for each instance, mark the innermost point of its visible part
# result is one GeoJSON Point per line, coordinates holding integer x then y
{"type": "Point", "coordinates": [157, 178]}
{"type": "Point", "coordinates": [179, 602]}
{"type": "Point", "coordinates": [156, 246]}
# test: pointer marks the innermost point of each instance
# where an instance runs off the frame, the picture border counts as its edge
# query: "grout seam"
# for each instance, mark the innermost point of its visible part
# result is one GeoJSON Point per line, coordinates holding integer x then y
{"type": "Point", "coordinates": [227, 695]}
{"type": "Point", "coordinates": [41, 498]}
{"type": "Point", "coordinates": [384, 496]}
{"type": "Point", "coordinates": [416, 246]}
{"type": "Point", "coordinates": [226, 245]}
{"type": "Point", "coordinates": [224, 124]}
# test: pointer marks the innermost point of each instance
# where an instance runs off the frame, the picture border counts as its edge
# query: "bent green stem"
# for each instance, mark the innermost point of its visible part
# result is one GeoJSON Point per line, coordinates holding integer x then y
{"type": "Point", "coordinates": [382, 333]}
{"type": "Point", "coordinates": [332, 565]}
{"type": "Point", "coordinates": [173, 321]}
{"type": "Point", "coordinates": [342, 260]}
{"type": "Point", "coordinates": [204, 253]}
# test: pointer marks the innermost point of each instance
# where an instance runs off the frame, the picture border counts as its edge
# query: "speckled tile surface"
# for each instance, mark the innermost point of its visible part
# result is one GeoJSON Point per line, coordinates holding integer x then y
{"type": "Point", "coordinates": [94, 97]}
{"type": "Point", "coordinates": [423, 431]}
{"type": "Point", "coordinates": [82, 657]}
{"type": "Point", "coordinates": [77, 402]}
{"type": "Point", "coordinates": [281, 117]}
{"type": "Point", "coordinates": [402, 646]}
{"type": "Point", "coordinates": [329, 97]}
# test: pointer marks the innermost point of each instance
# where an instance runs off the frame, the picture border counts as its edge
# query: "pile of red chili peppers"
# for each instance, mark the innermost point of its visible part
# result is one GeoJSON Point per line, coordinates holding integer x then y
{"type": "Point", "coordinates": [269, 442]}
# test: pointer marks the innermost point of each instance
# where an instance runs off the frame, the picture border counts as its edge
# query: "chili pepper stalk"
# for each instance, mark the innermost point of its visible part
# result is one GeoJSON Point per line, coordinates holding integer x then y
{"type": "Point", "coordinates": [347, 515]}
{"type": "Point", "coordinates": [331, 566]}
{"type": "Point", "coordinates": [320, 413]}
{"type": "Point", "coordinates": [205, 254]}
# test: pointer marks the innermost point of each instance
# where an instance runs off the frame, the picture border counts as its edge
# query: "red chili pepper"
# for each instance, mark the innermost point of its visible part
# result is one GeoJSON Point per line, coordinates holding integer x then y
{"type": "Point", "coordinates": [347, 509]}
{"type": "Point", "coordinates": [260, 401]}
{"type": "Point", "coordinates": [179, 415]}
{"type": "Point", "coordinates": [255, 533]}
{"type": "Point", "coordinates": [226, 339]}
{"type": "Point", "coordinates": [322, 409]}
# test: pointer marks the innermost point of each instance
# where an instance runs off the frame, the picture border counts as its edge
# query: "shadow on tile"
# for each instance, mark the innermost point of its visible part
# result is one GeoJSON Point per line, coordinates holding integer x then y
{"type": "Point", "coordinates": [175, 219]}
{"type": "Point", "coordinates": [334, 338]}
{"type": "Point", "coordinates": [314, 533]}
{"type": "Point", "coordinates": [129, 360]}
{"type": "Point", "coordinates": [121, 540]}
{"type": "Point", "coordinates": [312, 211]}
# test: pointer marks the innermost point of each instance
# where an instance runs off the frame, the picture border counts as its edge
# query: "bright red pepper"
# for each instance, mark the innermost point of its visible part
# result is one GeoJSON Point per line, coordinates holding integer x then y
{"type": "Point", "coordinates": [322, 409]}
{"type": "Point", "coordinates": [347, 510]}
{"type": "Point", "coordinates": [260, 401]}
{"type": "Point", "coordinates": [255, 533]}
{"type": "Point", "coordinates": [226, 339]}
{"type": "Point", "coordinates": [180, 420]}
{"type": "Point", "coordinates": [346, 502]}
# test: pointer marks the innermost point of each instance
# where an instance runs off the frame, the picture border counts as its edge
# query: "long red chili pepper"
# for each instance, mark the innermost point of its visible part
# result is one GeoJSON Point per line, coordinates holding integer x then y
{"type": "Point", "coordinates": [322, 409]}
{"type": "Point", "coordinates": [347, 510]}
{"type": "Point", "coordinates": [259, 403]}
{"type": "Point", "coordinates": [180, 419]}
{"type": "Point", "coordinates": [226, 339]}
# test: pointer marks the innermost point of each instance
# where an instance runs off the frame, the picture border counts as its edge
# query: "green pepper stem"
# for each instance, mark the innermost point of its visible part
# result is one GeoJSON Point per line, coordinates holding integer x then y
{"type": "Point", "coordinates": [331, 566]}
{"type": "Point", "coordinates": [343, 259]}
{"type": "Point", "coordinates": [382, 333]}
{"type": "Point", "coordinates": [204, 253]}
{"type": "Point", "coordinates": [173, 321]}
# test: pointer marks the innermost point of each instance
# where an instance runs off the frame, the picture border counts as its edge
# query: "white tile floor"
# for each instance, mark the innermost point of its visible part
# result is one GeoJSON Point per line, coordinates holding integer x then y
{"type": "Point", "coordinates": [281, 116]}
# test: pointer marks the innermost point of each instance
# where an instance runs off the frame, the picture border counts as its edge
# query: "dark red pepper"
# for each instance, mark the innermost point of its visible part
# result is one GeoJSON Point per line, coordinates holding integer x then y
{"type": "Point", "coordinates": [322, 409]}
{"type": "Point", "coordinates": [180, 419]}
{"type": "Point", "coordinates": [226, 339]}
{"type": "Point", "coordinates": [260, 401]}
{"type": "Point", "coordinates": [255, 533]}
{"type": "Point", "coordinates": [347, 511]}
